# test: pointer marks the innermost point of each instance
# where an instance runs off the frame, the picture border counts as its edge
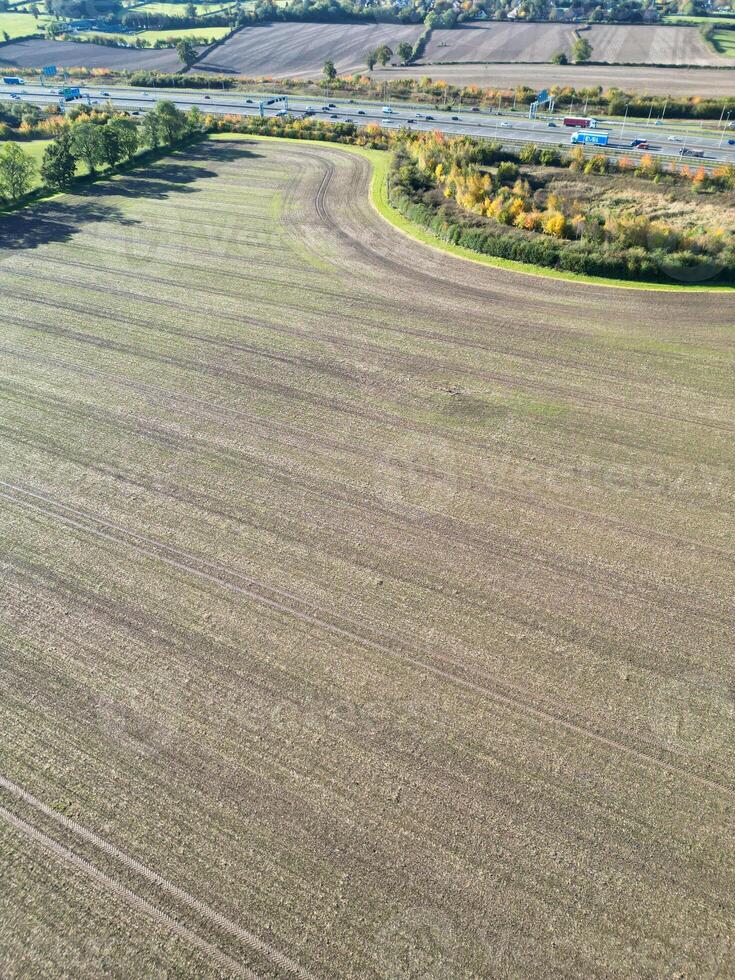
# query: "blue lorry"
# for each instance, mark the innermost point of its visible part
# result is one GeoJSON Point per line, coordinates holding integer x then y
{"type": "Point", "coordinates": [596, 138]}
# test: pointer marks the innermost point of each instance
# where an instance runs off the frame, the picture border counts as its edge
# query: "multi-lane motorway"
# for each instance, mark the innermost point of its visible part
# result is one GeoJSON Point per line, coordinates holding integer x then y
{"type": "Point", "coordinates": [665, 139]}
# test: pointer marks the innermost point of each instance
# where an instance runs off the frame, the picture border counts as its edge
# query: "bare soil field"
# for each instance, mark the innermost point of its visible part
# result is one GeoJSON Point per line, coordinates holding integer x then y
{"type": "Point", "coordinates": [499, 42]}
{"type": "Point", "coordinates": [656, 45]}
{"type": "Point", "coordinates": [70, 54]}
{"type": "Point", "coordinates": [654, 81]}
{"type": "Point", "coordinates": [366, 612]}
{"type": "Point", "coordinates": [299, 50]}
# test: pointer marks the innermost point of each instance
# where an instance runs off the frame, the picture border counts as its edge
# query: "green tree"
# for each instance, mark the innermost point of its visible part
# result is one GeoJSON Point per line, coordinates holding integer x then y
{"type": "Point", "coordinates": [405, 50]}
{"type": "Point", "coordinates": [194, 120]}
{"type": "Point", "coordinates": [59, 163]}
{"type": "Point", "coordinates": [581, 50]}
{"type": "Point", "coordinates": [127, 135]}
{"type": "Point", "coordinates": [186, 51]}
{"type": "Point", "coordinates": [17, 171]}
{"type": "Point", "coordinates": [111, 148]}
{"type": "Point", "coordinates": [150, 130]}
{"type": "Point", "coordinates": [330, 72]}
{"type": "Point", "coordinates": [168, 122]}
{"type": "Point", "coordinates": [370, 60]}
{"type": "Point", "coordinates": [191, 10]}
{"type": "Point", "coordinates": [384, 54]}
{"type": "Point", "coordinates": [560, 58]}
{"type": "Point", "coordinates": [87, 145]}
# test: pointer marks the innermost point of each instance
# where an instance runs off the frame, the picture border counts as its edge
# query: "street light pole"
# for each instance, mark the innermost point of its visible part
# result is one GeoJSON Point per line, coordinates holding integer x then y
{"type": "Point", "coordinates": [722, 134]}
{"type": "Point", "coordinates": [625, 119]}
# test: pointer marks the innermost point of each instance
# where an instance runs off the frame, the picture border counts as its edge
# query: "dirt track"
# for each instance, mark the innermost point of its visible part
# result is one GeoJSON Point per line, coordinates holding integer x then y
{"type": "Point", "coordinates": [377, 602]}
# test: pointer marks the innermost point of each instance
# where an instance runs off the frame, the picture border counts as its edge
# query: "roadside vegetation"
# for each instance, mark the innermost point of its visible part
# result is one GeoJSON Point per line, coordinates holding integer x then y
{"type": "Point", "coordinates": [588, 215]}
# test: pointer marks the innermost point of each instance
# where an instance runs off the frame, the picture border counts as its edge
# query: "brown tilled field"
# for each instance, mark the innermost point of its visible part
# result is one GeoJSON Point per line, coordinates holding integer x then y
{"type": "Point", "coordinates": [499, 42]}
{"type": "Point", "coordinates": [295, 50]}
{"type": "Point", "coordinates": [658, 45]}
{"type": "Point", "coordinates": [634, 44]}
{"type": "Point", "coordinates": [366, 612]}
{"type": "Point", "coordinates": [69, 54]}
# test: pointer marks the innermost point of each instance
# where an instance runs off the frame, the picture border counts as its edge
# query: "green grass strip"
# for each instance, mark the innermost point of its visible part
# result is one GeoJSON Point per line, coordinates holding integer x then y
{"type": "Point", "coordinates": [380, 160]}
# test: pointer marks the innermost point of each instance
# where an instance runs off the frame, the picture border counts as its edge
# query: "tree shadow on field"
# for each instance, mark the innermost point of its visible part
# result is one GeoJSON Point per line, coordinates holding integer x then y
{"type": "Point", "coordinates": [52, 221]}
{"type": "Point", "coordinates": [59, 219]}
{"type": "Point", "coordinates": [238, 149]}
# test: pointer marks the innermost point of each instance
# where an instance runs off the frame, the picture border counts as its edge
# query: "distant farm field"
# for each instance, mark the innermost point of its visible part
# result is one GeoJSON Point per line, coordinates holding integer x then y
{"type": "Point", "coordinates": [295, 49]}
{"type": "Point", "coordinates": [211, 33]}
{"type": "Point", "coordinates": [636, 44]}
{"type": "Point", "coordinates": [724, 42]}
{"type": "Point", "coordinates": [499, 42]}
{"type": "Point", "coordinates": [648, 80]}
{"type": "Point", "coordinates": [640, 44]}
{"type": "Point", "coordinates": [366, 612]}
{"type": "Point", "coordinates": [69, 54]}
{"type": "Point", "coordinates": [18, 25]}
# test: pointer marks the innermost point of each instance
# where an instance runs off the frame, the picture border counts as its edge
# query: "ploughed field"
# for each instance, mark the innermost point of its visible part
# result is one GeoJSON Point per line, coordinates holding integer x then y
{"type": "Point", "coordinates": [38, 52]}
{"type": "Point", "coordinates": [636, 44]}
{"type": "Point", "coordinates": [366, 612]}
{"type": "Point", "coordinates": [650, 45]}
{"type": "Point", "coordinates": [297, 49]}
{"type": "Point", "coordinates": [499, 42]}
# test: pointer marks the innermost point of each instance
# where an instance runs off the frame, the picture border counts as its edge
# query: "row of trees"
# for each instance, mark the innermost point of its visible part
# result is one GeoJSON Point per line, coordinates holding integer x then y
{"type": "Point", "coordinates": [95, 140]}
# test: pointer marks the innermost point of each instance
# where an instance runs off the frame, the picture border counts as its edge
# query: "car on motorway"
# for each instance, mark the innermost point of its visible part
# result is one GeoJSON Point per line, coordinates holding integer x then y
{"type": "Point", "coordinates": [334, 116]}
{"type": "Point", "coordinates": [207, 96]}
{"type": "Point", "coordinates": [248, 101]}
{"type": "Point", "coordinates": [325, 108]}
{"type": "Point", "coordinates": [349, 120]}
{"type": "Point", "coordinates": [388, 110]}
{"type": "Point", "coordinates": [674, 139]}
{"type": "Point", "coordinates": [361, 112]}
{"type": "Point", "coordinates": [639, 143]}
{"type": "Point", "coordinates": [506, 125]}
{"type": "Point", "coordinates": [282, 112]}
{"type": "Point", "coordinates": [308, 112]}
{"type": "Point", "coordinates": [429, 118]}
{"type": "Point", "coordinates": [658, 122]}
{"type": "Point", "coordinates": [475, 108]}
{"type": "Point", "coordinates": [332, 105]}
{"type": "Point", "coordinates": [106, 95]}
{"type": "Point", "coordinates": [455, 118]}
{"type": "Point", "coordinates": [551, 125]}
{"type": "Point", "coordinates": [731, 142]}
{"type": "Point", "coordinates": [683, 152]}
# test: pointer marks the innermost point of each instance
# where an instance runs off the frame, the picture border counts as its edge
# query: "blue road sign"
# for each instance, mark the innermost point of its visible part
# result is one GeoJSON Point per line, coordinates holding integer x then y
{"type": "Point", "coordinates": [49, 70]}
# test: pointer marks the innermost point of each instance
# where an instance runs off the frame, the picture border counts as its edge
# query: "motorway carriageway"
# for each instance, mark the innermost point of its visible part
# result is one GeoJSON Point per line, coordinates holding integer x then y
{"type": "Point", "coordinates": [509, 127]}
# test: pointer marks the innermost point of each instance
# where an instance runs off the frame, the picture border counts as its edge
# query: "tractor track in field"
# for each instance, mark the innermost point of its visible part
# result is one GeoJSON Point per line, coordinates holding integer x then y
{"type": "Point", "coordinates": [514, 699]}
{"type": "Point", "coordinates": [305, 439]}
{"type": "Point", "coordinates": [412, 362]}
{"type": "Point", "coordinates": [604, 581]}
{"type": "Point", "coordinates": [542, 388]}
{"type": "Point", "coordinates": [216, 918]}
{"type": "Point", "coordinates": [137, 902]}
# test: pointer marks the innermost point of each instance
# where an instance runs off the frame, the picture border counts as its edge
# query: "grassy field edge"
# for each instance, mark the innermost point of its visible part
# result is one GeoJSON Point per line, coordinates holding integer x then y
{"type": "Point", "coordinates": [379, 199]}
